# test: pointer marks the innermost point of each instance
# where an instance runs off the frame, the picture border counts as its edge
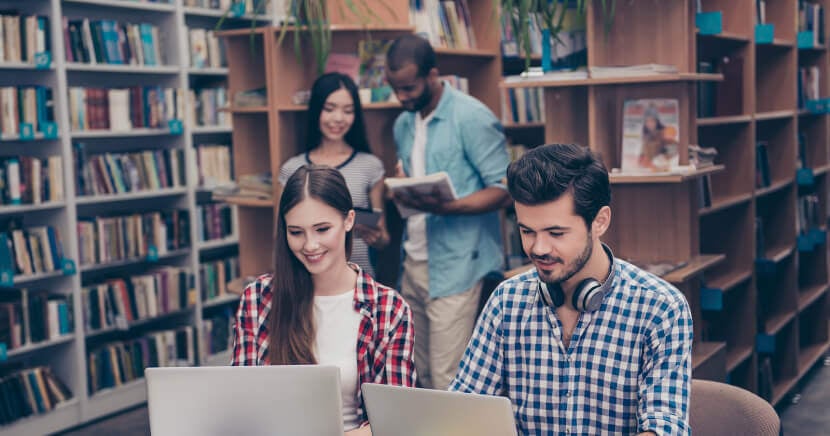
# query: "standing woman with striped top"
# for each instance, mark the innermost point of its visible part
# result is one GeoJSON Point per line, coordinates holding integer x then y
{"type": "Point", "coordinates": [336, 137]}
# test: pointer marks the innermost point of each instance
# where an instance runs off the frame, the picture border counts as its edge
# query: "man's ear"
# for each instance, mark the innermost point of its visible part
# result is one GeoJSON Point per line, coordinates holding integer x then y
{"type": "Point", "coordinates": [602, 221]}
{"type": "Point", "coordinates": [349, 222]}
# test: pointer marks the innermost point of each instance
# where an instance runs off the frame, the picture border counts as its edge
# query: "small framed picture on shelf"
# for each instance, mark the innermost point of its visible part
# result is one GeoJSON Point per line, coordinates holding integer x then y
{"type": "Point", "coordinates": [651, 135]}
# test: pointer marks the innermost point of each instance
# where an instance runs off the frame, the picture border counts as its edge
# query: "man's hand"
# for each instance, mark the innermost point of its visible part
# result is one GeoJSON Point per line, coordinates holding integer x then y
{"type": "Point", "coordinates": [428, 202]}
{"type": "Point", "coordinates": [375, 237]}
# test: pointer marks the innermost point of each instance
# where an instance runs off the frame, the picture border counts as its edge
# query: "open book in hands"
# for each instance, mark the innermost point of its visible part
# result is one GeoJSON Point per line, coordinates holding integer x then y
{"type": "Point", "coordinates": [437, 184]}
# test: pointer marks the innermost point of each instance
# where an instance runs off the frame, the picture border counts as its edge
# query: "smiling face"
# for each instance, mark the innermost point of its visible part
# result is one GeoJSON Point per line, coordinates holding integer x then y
{"type": "Point", "coordinates": [337, 115]}
{"type": "Point", "coordinates": [555, 238]}
{"type": "Point", "coordinates": [316, 234]}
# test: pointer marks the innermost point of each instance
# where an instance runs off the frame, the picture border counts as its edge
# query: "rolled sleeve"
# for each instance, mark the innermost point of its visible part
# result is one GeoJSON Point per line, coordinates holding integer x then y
{"type": "Point", "coordinates": [665, 380]}
{"type": "Point", "coordinates": [485, 146]}
{"type": "Point", "coordinates": [480, 371]}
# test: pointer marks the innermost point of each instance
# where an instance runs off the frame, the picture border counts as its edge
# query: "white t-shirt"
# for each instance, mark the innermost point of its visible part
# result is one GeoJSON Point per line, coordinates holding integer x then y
{"type": "Point", "coordinates": [337, 325]}
{"type": "Point", "coordinates": [416, 225]}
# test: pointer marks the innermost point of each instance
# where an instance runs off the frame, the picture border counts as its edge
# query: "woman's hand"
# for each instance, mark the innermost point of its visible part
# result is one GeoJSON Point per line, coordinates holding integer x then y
{"type": "Point", "coordinates": [362, 431]}
{"type": "Point", "coordinates": [375, 237]}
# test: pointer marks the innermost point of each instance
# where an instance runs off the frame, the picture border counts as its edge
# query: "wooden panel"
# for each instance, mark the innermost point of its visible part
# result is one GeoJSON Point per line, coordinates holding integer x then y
{"type": "Point", "coordinates": [643, 32]}
{"type": "Point", "coordinates": [781, 139]}
{"type": "Point", "coordinates": [775, 79]}
{"type": "Point", "coordinates": [738, 15]}
{"type": "Point", "coordinates": [376, 12]}
{"type": "Point", "coordinates": [565, 117]}
{"type": "Point", "coordinates": [730, 232]}
{"type": "Point", "coordinates": [485, 25]}
{"type": "Point", "coordinates": [482, 74]}
{"type": "Point", "coordinates": [815, 131]}
{"type": "Point", "coordinates": [250, 143]}
{"type": "Point", "coordinates": [639, 230]}
{"type": "Point", "coordinates": [256, 241]}
{"type": "Point", "coordinates": [778, 214]}
{"type": "Point", "coordinates": [246, 63]}
{"type": "Point", "coordinates": [783, 14]}
{"type": "Point", "coordinates": [736, 152]}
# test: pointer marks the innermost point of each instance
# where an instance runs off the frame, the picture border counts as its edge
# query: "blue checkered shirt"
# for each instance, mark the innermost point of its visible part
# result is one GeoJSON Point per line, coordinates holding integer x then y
{"type": "Point", "coordinates": [627, 368]}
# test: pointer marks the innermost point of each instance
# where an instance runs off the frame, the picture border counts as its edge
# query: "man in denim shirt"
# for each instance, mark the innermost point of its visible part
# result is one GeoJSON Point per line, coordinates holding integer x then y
{"type": "Point", "coordinates": [452, 245]}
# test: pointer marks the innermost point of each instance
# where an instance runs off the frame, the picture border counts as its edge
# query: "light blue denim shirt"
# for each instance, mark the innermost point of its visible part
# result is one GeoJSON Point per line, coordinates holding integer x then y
{"type": "Point", "coordinates": [466, 140]}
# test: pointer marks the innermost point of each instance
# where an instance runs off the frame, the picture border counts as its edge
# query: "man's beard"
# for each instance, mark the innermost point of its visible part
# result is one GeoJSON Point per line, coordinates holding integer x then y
{"type": "Point", "coordinates": [572, 268]}
{"type": "Point", "coordinates": [422, 101]}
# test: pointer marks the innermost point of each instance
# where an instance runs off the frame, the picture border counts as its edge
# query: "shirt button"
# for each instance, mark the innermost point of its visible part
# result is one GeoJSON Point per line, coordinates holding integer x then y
{"type": "Point", "coordinates": [568, 394]}
{"type": "Point", "coordinates": [567, 431]}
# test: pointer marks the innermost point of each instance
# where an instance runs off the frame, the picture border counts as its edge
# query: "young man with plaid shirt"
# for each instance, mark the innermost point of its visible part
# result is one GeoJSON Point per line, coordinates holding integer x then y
{"type": "Point", "coordinates": [573, 354]}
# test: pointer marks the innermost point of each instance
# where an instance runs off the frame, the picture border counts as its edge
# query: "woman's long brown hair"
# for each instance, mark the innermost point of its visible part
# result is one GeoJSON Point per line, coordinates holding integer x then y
{"type": "Point", "coordinates": [291, 330]}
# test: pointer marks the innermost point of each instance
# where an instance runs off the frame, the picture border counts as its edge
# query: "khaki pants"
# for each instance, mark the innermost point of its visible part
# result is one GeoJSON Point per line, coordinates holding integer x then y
{"type": "Point", "coordinates": [443, 326]}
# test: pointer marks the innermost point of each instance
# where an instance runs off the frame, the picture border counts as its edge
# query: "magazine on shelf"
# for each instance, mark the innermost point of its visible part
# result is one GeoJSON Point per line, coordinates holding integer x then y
{"type": "Point", "coordinates": [438, 184]}
{"type": "Point", "coordinates": [651, 136]}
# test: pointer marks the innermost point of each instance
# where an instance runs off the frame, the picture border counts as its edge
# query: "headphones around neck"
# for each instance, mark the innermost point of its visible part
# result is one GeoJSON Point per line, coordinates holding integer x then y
{"type": "Point", "coordinates": [588, 294]}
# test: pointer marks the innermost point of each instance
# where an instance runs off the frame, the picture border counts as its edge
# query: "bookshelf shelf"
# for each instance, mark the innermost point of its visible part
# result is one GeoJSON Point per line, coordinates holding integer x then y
{"type": "Point", "coordinates": [25, 66]}
{"type": "Point", "coordinates": [809, 296]}
{"type": "Point", "coordinates": [693, 268]}
{"type": "Point", "coordinates": [32, 278]}
{"type": "Point", "coordinates": [621, 178]}
{"type": "Point", "coordinates": [774, 187]}
{"type": "Point", "coordinates": [781, 388]}
{"type": "Point", "coordinates": [217, 13]}
{"type": "Point", "coordinates": [810, 355]}
{"type": "Point", "coordinates": [703, 351]}
{"type": "Point", "coordinates": [140, 322]}
{"type": "Point", "coordinates": [736, 356]}
{"type": "Point", "coordinates": [116, 68]}
{"type": "Point", "coordinates": [217, 243]}
{"type": "Point", "coordinates": [725, 203]}
{"type": "Point", "coordinates": [126, 4]}
{"type": "Point", "coordinates": [210, 130]}
{"type": "Point", "coordinates": [24, 208]}
{"type": "Point", "coordinates": [774, 115]}
{"type": "Point", "coordinates": [130, 196]}
{"type": "Point", "coordinates": [37, 346]}
{"type": "Point", "coordinates": [246, 110]}
{"type": "Point", "coordinates": [818, 171]}
{"type": "Point", "coordinates": [87, 134]}
{"type": "Point", "coordinates": [728, 37]}
{"type": "Point", "coordinates": [18, 140]}
{"type": "Point", "coordinates": [466, 53]}
{"type": "Point", "coordinates": [628, 80]}
{"type": "Point", "coordinates": [720, 121]}
{"type": "Point", "coordinates": [225, 299]}
{"type": "Point", "coordinates": [729, 281]}
{"type": "Point", "coordinates": [778, 254]}
{"type": "Point", "coordinates": [128, 262]}
{"type": "Point", "coordinates": [778, 321]}
{"type": "Point", "coordinates": [121, 397]}
{"type": "Point", "coordinates": [215, 71]}
{"type": "Point", "coordinates": [248, 202]}
{"type": "Point", "coordinates": [64, 415]}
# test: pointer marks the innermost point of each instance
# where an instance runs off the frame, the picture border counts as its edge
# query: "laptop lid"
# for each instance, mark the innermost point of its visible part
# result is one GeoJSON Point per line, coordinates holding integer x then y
{"type": "Point", "coordinates": [296, 400]}
{"type": "Point", "coordinates": [402, 411]}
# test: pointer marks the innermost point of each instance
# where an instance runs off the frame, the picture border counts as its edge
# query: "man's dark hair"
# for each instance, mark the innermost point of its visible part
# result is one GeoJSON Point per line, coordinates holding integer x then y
{"type": "Point", "coordinates": [545, 173]}
{"type": "Point", "coordinates": [411, 49]}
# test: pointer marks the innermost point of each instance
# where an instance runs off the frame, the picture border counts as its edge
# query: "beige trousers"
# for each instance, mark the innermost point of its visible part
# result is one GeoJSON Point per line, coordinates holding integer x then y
{"type": "Point", "coordinates": [443, 326]}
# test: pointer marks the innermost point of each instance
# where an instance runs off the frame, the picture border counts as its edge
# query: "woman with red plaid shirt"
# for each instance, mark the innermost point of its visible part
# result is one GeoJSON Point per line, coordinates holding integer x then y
{"type": "Point", "coordinates": [325, 309]}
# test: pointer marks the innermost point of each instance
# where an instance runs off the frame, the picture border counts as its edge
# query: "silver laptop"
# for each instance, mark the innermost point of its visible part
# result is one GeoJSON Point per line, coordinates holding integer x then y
{"type": "Point", "coordinates": [400, 411]}
{"type": "Point", "coordinates": [295, 400]}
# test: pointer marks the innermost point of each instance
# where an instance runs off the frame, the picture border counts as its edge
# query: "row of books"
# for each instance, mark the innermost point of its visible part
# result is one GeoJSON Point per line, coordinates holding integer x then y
{"type": "Point", "coordinates": [117, 173]}
{"type": "Point", "coordinates": [214, 221]}
{"type": "Point", "coordinates": [138, 236]}
{"type": "Point", "coordinates": [215, 165]}
{"type": "Point", "coordinates": [445, 23]}
{"type": "Point", "coordinates": [31, 250]}
{"type": "Point", "coordinates": [716, 99]}
{"type": "Point", "coordinates": [811, 19]}
{"type": "Point", "coordinates": [217, 332]}
{"type": "Point", "coordinates": [116, 303]}
{"type": "Point", "coordinates": [221, 5]}
{"type": "Point", "coordinates": [118, 363]}
{"type": "Point", "coordinates": [110, 42]}
{"type": "Point", "coordinates": [23, 37]}
{"type": "Point", "coordinates": [30, 391]}
{"type": "Point", "coordinates": [123, 109]}
{"type": "Point", "coordinates": [763, 177]}
{"type": "Point", "coordinates": [31, 180]}
{"type": "Point", "coordinates": [206, 51]}
{"type": "Point", "coordinates": [809, 213]}
{"type": "Point", "coordinates": [205, 105]}
{"type": "Point", "coordinates": [214, 277]}
{"type": "Point", "coordinates": [32, 105]}
{"type": "Point", "coordinates": [808, 85]}
{"type": "Point", "coordinates": [522, 105]}
{"type": "Point", "coordinates": [29, 317]}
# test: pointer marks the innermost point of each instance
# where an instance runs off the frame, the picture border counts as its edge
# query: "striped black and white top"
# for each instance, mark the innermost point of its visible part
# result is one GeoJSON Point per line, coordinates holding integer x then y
{"type": "Point", "coordinates": [361, 171]}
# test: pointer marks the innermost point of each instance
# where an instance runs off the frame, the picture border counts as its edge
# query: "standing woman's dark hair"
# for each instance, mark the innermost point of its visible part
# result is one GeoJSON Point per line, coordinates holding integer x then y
{"type": "Point", "coordinates": [291, 326]}
{"type": "Point", "coordinates": [320, 91]}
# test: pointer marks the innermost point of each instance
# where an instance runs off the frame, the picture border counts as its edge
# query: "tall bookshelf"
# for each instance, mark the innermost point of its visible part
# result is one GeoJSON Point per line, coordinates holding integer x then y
{"type": "Point", "coordinates": [758, 297]}
{"type": "Point", "coordinates": [67, 354]}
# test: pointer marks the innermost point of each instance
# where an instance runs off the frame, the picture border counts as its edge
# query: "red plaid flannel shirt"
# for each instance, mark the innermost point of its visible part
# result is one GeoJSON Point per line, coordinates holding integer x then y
{"type": "Point", "coordinates": [385, 340]}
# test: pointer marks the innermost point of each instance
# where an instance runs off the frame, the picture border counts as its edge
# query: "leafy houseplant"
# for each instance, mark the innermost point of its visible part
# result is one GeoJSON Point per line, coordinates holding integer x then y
{"type": "Point", "coordinates": [310, 20]}
{"type": "Point", "coordinates": [553, 14]}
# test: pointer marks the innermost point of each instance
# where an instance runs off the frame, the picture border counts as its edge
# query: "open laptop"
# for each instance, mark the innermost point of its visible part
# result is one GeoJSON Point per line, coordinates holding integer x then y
{"type": "Point", "coordinates": [295, 400]}
{"type": "Point", "coordinates": [401, 411]}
